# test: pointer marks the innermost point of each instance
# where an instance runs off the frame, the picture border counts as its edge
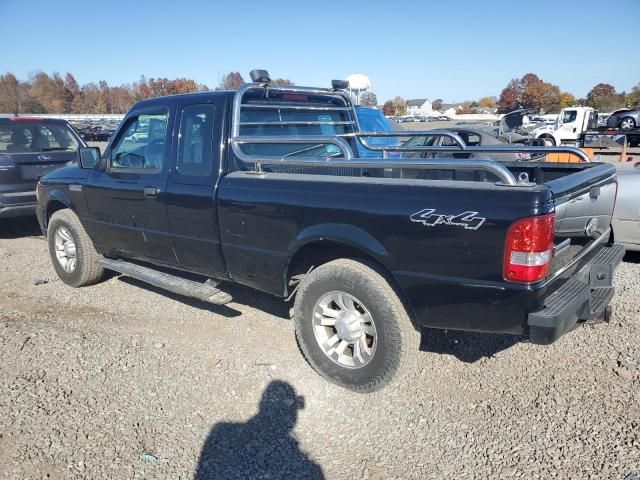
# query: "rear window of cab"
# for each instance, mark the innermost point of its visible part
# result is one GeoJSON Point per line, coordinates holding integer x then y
{"type": "Point", "coordinates": [23, 137]}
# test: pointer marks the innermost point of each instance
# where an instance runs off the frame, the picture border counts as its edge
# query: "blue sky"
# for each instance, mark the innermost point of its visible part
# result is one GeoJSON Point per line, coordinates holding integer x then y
{"type": "Point", "coordinates": [454, 50]}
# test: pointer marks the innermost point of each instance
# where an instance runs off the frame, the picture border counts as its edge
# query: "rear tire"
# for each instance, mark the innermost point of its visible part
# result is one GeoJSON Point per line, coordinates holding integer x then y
{"type": "Point", "coordinates": [71, 250]}
{"type": "Point", "coordinates": [627, 123]}
{"type": "Point", "coordinates": [372, 336]}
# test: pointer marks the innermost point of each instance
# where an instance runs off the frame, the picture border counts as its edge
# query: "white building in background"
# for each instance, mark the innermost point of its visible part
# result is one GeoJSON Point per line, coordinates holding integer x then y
{"type": "Point", "coordinates": [450, 112]}
{"type": "Point", "coordinates": [419, 106]}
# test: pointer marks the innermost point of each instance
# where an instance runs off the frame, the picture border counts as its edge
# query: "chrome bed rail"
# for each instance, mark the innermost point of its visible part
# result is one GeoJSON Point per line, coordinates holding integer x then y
{"type": "Point", "coordinates": [340, 141]}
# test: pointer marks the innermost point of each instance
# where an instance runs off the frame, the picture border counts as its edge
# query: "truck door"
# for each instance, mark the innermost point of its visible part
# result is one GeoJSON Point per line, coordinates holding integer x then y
{"type": "Point", "coordinates": [192, 186]}
{"type": "Point", "coordinates": [126, 198]}
{"type": "Point", "coordinates": [570, 123]}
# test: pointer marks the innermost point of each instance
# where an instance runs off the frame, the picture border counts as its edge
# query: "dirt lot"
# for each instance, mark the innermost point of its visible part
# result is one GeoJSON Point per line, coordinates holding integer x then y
{"type": "Point", "coordinates": [121, 380]}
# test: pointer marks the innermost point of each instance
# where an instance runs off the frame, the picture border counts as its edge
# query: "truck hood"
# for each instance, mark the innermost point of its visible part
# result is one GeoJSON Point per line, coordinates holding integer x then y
{"type": "Point", "coordinates": [513, 120]}
{"type": "Point", "coordinates": [536, 132]}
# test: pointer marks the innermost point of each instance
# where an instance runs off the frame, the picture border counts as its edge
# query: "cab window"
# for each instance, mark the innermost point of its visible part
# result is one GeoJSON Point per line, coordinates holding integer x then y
{"type": "Point", "coordinates": [196, 140]}
{"type": "Point", "coordinates": [569, 116]}
{"type": "Point", "coordinates": [141, 145]}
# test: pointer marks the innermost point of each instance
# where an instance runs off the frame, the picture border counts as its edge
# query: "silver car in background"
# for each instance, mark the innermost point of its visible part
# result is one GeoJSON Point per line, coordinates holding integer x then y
{"type": "Point", "coordinates": [624, 119]}
{"type": "Point", "coordinates": [626, 214]}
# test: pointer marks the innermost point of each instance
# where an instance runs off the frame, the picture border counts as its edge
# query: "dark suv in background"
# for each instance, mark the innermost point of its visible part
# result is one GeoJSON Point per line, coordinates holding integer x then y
{"type": "Point", "coordinates": [30, 148]}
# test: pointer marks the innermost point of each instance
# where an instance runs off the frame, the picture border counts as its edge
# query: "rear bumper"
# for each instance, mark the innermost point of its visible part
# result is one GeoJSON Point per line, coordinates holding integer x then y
{"type": "Point", "coordinates": [583, 297]}
{"type": "Point", "coordinates": [17, 204]}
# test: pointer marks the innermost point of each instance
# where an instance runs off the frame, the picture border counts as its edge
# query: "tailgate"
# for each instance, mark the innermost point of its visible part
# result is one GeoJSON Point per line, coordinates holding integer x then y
{"type": "Point", "coordinates": [31, 166]}
{"type": "Point", "coordinates": [583, 202]}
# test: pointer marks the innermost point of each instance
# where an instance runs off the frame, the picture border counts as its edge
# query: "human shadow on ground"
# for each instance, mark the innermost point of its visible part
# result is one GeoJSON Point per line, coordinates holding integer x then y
{"type": "Point", "coordinates": [262, 447]}
{"type": "Point", "coordinates": [468, 347]}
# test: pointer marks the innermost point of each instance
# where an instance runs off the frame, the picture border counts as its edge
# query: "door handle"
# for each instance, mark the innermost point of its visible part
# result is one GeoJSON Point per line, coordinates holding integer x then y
{"type": "Point", "coordinates": [151, 191]}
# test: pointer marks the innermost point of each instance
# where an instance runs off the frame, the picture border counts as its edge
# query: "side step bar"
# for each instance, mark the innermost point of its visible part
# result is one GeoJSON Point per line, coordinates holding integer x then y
{"type": "Point", "coordinates": [206, 291]}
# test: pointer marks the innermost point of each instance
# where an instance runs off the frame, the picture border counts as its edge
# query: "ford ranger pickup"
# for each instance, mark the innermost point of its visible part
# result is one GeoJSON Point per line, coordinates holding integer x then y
{"type": "Point", "coordinates": [264, 187]}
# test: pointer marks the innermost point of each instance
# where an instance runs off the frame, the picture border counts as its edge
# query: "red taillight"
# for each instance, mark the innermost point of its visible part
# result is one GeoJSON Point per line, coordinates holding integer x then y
{"type": "Point", "coordinates": [529, 247]}
{"type": "Point", "coordinates": [25, 119]}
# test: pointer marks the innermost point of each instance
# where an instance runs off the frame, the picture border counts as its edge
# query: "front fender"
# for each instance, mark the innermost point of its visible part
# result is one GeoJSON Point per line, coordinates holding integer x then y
{"type": "Point", "coordinates": [54, 199]}
{"type": "Point", "coordinates": [59, 195]}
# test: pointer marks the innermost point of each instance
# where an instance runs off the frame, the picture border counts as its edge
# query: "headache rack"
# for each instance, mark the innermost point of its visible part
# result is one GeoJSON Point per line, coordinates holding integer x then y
{"type": "Point", "coordinates": [274, 97]}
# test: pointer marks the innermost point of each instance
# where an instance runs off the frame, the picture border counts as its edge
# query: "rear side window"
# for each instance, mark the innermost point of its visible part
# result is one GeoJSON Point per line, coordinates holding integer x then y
{"type": "Point", "coordinates": [33, 138]}
{"type": "Point", "coordinates": [470, 139]}
{"type": "Point", "coordinates": [15, 138]}
{"type": "Point", "coordinates": [141, 145]}
{"type": "Point", "coordinates": [195, 149]}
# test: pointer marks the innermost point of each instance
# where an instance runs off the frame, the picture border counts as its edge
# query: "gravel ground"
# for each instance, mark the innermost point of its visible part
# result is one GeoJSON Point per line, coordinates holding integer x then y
{"type": "Point", "coordinates": [121, 380]}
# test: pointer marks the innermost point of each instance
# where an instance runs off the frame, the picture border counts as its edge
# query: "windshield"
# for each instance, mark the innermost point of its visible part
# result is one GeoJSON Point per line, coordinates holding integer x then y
{"type": "Point", "coordinates": [373, 120]}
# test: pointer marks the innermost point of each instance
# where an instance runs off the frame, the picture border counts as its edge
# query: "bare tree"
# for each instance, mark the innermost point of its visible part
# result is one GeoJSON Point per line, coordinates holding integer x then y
{"type": "Point", "coordinates": [368, 99]}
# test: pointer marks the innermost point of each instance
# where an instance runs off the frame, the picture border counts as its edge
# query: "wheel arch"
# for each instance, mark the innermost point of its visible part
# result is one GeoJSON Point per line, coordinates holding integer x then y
{"type": "Point", "coordinates": [57, 200]}
{"type": "Point", "coordinates": [330, 241]}
{"type": "Point", "coordinates": [314, 250]}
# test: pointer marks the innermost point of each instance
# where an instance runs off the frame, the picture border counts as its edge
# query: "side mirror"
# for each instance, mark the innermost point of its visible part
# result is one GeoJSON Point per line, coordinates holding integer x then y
{"type": "Point", "coordinates": [89, 157]}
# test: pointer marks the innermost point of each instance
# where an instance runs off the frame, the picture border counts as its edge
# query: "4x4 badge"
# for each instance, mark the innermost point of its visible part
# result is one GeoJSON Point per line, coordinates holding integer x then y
{"type": "Point", "coordinates": [430, 218]}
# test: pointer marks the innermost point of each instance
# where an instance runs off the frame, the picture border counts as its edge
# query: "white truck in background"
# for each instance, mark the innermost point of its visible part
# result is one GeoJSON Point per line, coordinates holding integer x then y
{"type": "Point", "coordinates": [579, 126]}
{"type": "Point", "coordinates": [571, 124]}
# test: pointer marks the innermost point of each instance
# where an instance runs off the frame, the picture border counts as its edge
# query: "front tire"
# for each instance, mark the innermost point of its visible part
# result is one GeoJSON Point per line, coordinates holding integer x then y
{"type": "Point", "coordinates": [352, 327]}
{"type": "Point", "coordinates": [549, 141]}
{"type": "Point", "coordinates": [71, 250]}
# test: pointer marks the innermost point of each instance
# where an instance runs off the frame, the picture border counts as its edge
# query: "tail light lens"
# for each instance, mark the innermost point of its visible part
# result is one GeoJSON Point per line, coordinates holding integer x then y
{"type": "Point", "coordinates": [529, 249]}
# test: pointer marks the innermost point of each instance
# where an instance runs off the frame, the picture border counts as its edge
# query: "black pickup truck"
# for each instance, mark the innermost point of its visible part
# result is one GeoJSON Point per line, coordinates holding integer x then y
{"type": "Point", "coordinates": [261, 186]}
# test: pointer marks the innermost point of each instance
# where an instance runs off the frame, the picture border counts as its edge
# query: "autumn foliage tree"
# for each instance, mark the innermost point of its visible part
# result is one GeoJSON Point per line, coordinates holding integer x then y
{"type": "Point", "coordinates": [10, 98]}
{"type": "Point", "coordinates": [44, 93]}
{"type": "Point", "coordinates": [510, 96]}
{"type": "Point", "coordinates": [604, 97]}
{"type": "Point", "coordinates": [530, 92]}
{"type": "Point", "coordinates": [633, 99]}
{"type": "Point", "coordinates": [231, 81]}
{"type": "Point", "coordinates": [283, 82]}
{"type": "Point", "coordinates": [389, 108]}
{"type": "Point", "coordinates": [567, 100]}
{"type": "Point", "coordinates": [487, 102]}
{"type": "Point", "coordinates": [400, 105]}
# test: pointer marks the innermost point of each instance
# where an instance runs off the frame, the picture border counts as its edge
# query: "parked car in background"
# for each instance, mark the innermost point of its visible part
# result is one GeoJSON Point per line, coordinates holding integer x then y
{"type": "Point", "coordinates": [624, 119]}
{"type": "Point", "coordinates": [372, 120]}
{"type": "Point", "coordinates": [473, 137]}
{"type": "Point", "coordinates": [29, 149]}
{"type": "Point", "coordinates": [626, 214]}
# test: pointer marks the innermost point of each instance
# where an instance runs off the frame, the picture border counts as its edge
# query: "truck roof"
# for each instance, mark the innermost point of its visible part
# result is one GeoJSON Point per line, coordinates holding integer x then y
{"type": "Point", "coordinates": [201, 96]}
{"type": "Point", "coordinates": [32, 119]}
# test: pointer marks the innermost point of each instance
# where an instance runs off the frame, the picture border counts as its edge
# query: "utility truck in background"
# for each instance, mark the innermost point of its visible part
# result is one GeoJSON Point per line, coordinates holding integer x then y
{"type": "Point", "coordinates": [578, 127]}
